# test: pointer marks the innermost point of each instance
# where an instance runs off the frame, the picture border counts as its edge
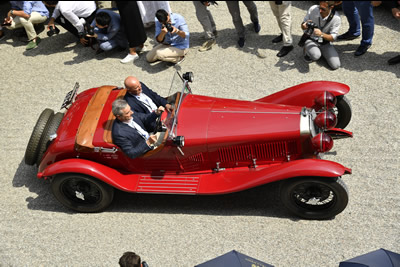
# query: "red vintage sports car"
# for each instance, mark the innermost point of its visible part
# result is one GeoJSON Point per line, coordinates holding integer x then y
{"type": "Point", "coordinates": [205, 146]}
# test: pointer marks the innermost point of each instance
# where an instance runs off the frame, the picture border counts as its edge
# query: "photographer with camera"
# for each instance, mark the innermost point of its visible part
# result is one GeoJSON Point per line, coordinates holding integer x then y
{"type": "Point", "coordinates": [321, 26]}
{"type": "Point", "coordinates": [172, 33]}
{"type": "Point", "coordinates": [72, 16]}
{"type": "Point", "coordinates": [107, 30]}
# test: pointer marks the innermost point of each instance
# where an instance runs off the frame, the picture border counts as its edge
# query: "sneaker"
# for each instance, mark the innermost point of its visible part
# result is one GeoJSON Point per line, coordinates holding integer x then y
{"type": "Point", "coordinates": [241, 42]}
{"type": "Point", "coordinates": [278, 39]}
{"type": "Point", "coordinates": [284, 51]}
{"type": "Point", "coordinates": [347, 36]}
{"type": "Point", "coordinates": [181, 59]}
{"type": "Point", "coordinates": [129, 58]}
{"type": "Point", "coordinates": [257, 27]}
{"type": "Point", "coordinates": [33, 43]}
{"type": "Point", "coordinates": [361, 50]}
{"type": "Point", "coordinates": [307, 58]}
{"type": "Point", "coordinates": [207, 45]}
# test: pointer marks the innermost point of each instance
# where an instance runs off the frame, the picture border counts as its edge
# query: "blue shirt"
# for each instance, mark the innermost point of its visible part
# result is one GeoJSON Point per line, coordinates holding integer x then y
{"type": "Point", "coordinates": [174, 39]}
{"type": "Point", "coordinates": [30, 6]}
{"type": "Point", "coordinates": [113, 31]}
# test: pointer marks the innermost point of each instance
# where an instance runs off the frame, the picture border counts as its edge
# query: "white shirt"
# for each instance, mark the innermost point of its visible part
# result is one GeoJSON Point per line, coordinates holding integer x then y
{"type": "Point", "coordinates": [73, 10]}
{"type": "Point", "coordinates": [147, 102]}
{"type": "Point", "coordinates": [139, 129]}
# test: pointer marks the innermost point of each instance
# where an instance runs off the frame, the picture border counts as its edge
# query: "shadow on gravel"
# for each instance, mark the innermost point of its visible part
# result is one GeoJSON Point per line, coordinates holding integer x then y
{"type": "Point", "coordinates": [260, 201]}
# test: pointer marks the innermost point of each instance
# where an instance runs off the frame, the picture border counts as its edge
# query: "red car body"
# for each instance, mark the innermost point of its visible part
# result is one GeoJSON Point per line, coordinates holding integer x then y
{"type": "Point", "coordinates": [229, 145]}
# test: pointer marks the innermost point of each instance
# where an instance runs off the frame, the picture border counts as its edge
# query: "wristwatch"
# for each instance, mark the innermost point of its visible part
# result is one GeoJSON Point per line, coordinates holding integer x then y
{"type": "Point", "coordinates": [322, 35]}
{"type": "Point", "coordinates": [12, 12]}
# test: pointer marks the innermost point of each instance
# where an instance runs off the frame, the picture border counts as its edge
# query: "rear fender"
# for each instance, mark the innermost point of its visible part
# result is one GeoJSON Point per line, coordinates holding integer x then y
{"type": "Point", "coordinates": [229, 181]}
{"type": "Point", "coordinates": [93, 169]}
{"type": "Point", "coordinates": [305, 93]}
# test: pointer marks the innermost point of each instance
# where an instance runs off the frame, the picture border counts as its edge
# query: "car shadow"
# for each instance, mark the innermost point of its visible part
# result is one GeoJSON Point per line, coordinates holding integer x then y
{"type": "Point", "coordinates": [260, 201]}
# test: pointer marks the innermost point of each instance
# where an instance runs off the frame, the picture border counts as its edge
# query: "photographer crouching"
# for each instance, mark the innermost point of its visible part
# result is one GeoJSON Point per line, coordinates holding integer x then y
{"type": "Point", "coordinates": [321, 26]}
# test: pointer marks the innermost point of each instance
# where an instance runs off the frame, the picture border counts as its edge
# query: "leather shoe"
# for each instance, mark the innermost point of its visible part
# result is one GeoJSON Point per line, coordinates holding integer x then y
{"type": "Point", "coordinates": [284, 51]}
{"type": "Point", "coordinates": [278, 39]}
{"type": "Point", "coordinates": [347, 36]}
{"type": "Point", "coordinates": [361, 50]}
{"type": "Point", "coordinates": [394, 60]}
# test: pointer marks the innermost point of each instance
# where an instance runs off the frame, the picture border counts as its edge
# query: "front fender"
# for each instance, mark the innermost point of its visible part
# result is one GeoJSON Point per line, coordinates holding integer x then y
{"type": "Point", "coordinates": [96, 170]}
{"type": "Point", "coordinates": [305, 93]}
{"type": "Point", "coordinates": [234, 180]}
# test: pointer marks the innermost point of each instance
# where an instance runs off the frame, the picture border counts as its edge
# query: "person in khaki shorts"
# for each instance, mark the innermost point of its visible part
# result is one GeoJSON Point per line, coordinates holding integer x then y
{"type": "Point", "coordinates": [172, 33]}
{"type": "Point", "coordinates": [26, 14]}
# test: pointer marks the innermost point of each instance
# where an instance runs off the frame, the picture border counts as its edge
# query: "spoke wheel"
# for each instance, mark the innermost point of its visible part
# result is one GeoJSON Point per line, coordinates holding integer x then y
{"type": "Point", "coordinates": [82, 193]}
{"type": "Point", "coordinates": [314, 197]}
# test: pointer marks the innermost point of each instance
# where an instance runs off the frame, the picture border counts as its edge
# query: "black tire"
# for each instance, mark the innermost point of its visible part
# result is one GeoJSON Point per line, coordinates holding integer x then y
{"type": "Point", "coordinates": [32, 148]}
{"type": "Point", "coordinates": [343, 112]}
{"type": "Point", "coordinates": [82, 193]}
{"type": "Point", "coordinates": [330, 196]}
{"type": "Point", "coordinates": [51, 128]}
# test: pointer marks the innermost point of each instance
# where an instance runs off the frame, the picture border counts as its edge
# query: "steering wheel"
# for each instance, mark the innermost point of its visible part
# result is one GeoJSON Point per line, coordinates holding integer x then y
{"type": "Point", "coordinates": [158, 127]}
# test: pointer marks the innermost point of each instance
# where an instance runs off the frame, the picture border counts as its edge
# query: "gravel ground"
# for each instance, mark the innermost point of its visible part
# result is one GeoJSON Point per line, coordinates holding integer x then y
{"type": "Point", "coordinates": [166, 230]}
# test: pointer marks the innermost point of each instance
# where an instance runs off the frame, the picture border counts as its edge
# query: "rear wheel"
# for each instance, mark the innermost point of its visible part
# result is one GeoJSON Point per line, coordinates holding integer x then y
{"type": "Point", "coordinates": [314, 197]}
{"type": "Point", "coordinates": [32, 148]}
{"type": "Point", "coordinates": [82, 193]}
{"type": "Point", "coordinates": [342, 111]}
{"type": "Point", "coordinates": [51, 128]}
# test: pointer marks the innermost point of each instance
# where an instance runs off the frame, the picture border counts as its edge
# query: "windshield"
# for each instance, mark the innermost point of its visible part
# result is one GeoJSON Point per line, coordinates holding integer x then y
{"type": "Point", "coordinates": [180, 88]}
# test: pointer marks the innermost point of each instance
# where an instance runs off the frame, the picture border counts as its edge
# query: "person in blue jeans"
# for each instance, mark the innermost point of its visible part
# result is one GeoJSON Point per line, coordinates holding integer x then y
{"type": "Point", "coordinates": [354, 11]}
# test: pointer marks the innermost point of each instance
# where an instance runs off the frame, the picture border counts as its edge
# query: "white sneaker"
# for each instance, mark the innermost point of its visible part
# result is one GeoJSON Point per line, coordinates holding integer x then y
{"type": "Point", "coordinates": [129, 58]}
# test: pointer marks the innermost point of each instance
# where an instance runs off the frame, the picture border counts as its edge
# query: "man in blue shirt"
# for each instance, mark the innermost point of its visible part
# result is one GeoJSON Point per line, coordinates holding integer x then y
{"type": "Point", "coordinates": [108, 31]}
{"type": "Point", "coordinates": [172, 33]}
{"type": "Point", "coordinates": [26, 14]}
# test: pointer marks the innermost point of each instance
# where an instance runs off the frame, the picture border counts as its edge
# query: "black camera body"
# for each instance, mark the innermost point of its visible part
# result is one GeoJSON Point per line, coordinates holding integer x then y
{"type": "Point", "coordinates": [53, 30]}
{"type": "Point", "coordinates": [169, 27]}
{"type": "Point", "coordinates": [307, 34]}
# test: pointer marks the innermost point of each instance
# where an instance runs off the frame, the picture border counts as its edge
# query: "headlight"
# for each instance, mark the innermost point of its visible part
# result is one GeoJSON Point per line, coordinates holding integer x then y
{"type": "Point", "coordinates": [326, 120]}
{"type": "Point", "coordinates": [322, 142]}
{"type": "Point", "coordinates": [326, 101]}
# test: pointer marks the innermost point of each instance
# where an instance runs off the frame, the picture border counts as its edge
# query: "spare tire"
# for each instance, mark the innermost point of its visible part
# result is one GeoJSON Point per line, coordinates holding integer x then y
{"type": "Point", "coordinates": [51, 128]}
{"type": "Point", "coordinates": [31, 151]}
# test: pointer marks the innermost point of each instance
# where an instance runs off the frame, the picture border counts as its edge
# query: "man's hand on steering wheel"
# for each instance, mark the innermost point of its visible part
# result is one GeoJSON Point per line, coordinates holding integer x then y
{"type": "Point", "coordinates": [160, 110]}
{"type": "Point", "coordinates": [169, 107]}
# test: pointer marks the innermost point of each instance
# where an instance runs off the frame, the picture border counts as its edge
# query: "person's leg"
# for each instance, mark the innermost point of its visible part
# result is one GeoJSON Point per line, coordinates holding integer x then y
{"type": "Point", "coordinates": [203, 16]}
{"type": "Point", "coordinates": [152, 55]}
{"type": "Point", "coordinates": [331, 56]}
{"type": "Point", "coordinates": [252, 8]}
{"type": "Point", "coordinates": [63, 22]}
{"type": "Point", "coordinates": [286, 24]}
{"type": "Point", "coordinates": [351, 13]}
{"type": "Point", "coordinates": [312, 50]}
{"type": "Point", "coordinates": [234, 10]}
{"type": "Point", "coordinates": [35, 18]}
{"type": "Point", "coordinates": [108, 45]}
{"type": "Point", "coordinates": [365, 10]}
{"type": "Point", "coordinates": [170, 54]}
{"type": "Point", "coordinates": [15, 24]}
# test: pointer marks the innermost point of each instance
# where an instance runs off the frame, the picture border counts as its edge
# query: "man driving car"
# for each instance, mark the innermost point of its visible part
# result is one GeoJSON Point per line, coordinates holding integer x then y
{"type": "Point", "coordinates": [130, 130]}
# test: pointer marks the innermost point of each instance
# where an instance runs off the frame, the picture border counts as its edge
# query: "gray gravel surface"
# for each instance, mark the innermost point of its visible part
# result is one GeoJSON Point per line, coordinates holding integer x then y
{"type": "Point", "coordinates": [167, 230]}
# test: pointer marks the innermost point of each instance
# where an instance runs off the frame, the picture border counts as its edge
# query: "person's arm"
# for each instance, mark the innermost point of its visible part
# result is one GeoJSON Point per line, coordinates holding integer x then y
{"type": "Point", "coordinates": [132, 150]}
{"type": "Point", "coordinates": [157, 99]}
{"type": "Point", "coordinates": [18, 13]}
{"type": "Point", "coordinates": [160, 32]}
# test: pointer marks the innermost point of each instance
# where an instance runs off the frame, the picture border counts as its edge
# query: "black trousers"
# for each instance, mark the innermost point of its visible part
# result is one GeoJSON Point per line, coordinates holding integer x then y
{"type": "Point", "coordinates": [68, 25]}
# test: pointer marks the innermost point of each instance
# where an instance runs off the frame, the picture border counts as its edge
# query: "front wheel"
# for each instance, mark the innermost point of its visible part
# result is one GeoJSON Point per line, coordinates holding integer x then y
{"type": "Point", "coordinates": [315, 198]}
{"type": "Point", "coordinates": [82, 193]}
{"type": "Point", "coordinates": [342, 111]}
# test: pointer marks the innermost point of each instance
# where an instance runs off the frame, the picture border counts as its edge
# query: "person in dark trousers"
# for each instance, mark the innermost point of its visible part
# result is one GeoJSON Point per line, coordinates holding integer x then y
{"type": "Point", "coordinates": [131, 20]}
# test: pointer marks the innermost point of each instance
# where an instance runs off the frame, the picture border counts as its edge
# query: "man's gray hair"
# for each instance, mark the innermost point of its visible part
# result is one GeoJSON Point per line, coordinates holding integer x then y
{"type": "Point", "coordinates": [117, 106]}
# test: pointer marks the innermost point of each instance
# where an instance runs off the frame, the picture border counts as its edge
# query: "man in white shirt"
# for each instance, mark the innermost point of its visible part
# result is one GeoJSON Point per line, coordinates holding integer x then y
{"type": "Point", "coordinates": [73, 16]}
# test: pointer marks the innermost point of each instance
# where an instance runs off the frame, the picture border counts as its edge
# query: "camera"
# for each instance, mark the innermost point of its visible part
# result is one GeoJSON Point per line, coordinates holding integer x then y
{"type": "Point", "coordinates": [307, 34]}
{"type": "Point", "coordinates": [168, 26]}
{"type": "Point", "coordinates": [90, 31]}
{"type": "Point", "coordinates": [52, 31]}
